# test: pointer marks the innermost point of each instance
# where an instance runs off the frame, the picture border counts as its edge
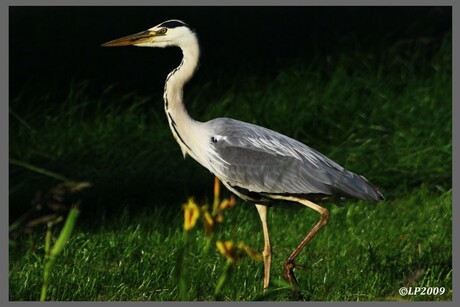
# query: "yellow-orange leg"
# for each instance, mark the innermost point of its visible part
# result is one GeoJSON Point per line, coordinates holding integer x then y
{"type": "Point", "coordinates": [267, 252]}
{"type": "Point", "coordinates": [289, 264]}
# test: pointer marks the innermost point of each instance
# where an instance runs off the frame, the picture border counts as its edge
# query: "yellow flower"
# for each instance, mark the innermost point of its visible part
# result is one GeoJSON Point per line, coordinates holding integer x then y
{"type": "Point", "coordinates": [250, 252]}
{"type": "Point", "coordinates": [219, 218]}
{"type": "Point", "coordinates": [191, 214]}
{"type": "Point", "coordinates": [228, 203]}
{"type": "Point", "coordinates": [215, 204]}
{"type": "Point", "coordinates": [219, 206]}
{"type": "Point", "coordinates": [208, 222]}
{"type": "Point", "coordinates": [234, 253]}
{"type": "Point", "coordinates": [228, 250]}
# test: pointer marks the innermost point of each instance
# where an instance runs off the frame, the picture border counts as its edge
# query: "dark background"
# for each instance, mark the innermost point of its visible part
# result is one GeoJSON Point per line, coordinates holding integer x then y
{"type": "Point", "coordinates": [53, 45]}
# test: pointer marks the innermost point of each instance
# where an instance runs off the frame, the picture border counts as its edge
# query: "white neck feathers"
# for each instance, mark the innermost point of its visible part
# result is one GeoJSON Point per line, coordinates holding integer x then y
{"type": "Point", "coordinates": [180, 122]}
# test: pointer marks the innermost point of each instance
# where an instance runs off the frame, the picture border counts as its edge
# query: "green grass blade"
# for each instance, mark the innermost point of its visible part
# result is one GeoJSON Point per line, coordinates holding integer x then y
{"type": "Point", "coordinates": [38, 170]}
{"type": "Point", "coordinates": [65, 232]}
{"type": "Point", "coordinates": [50, 255]}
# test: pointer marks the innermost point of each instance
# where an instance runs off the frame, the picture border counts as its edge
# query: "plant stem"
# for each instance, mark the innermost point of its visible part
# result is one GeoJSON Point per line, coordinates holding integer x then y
{"type": "Point", "coordinates": [51, 253]}
{"type": "Point", "coordinates": [222, 279]}
{"type": "Point", "coordinates": [183, 276]}
{"type": "Point", "coordinates": [38, 170]}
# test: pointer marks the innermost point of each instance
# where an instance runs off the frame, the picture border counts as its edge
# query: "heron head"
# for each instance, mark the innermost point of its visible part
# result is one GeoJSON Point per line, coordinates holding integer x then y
{"type": "Point", "coordinates": [169, 33]}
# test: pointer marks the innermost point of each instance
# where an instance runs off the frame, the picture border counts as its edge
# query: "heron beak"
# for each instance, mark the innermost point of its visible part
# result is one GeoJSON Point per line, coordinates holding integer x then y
{"type": "Point", "coordinates": [134, 39]}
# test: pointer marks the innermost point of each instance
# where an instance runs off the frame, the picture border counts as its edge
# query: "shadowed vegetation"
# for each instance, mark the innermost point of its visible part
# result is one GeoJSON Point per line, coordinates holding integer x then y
{"type": "Point", "coordinates": [385, 114]}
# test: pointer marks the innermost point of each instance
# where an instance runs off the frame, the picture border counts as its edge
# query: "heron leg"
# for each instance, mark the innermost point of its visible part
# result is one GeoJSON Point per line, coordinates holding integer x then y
{"type": "Point", "coordinates": [267, 252]}
{"type": "Point", "coordinates": [289, 264]}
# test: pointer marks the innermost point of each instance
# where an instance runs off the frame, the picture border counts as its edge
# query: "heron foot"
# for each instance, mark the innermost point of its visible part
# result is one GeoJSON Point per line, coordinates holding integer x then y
{"type": "Point", "coordinates": [289, 276]}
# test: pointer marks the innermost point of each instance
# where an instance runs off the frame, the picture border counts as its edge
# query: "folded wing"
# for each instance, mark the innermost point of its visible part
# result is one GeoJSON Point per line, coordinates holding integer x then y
{"type": "Point", "coordinates": [258, 160]}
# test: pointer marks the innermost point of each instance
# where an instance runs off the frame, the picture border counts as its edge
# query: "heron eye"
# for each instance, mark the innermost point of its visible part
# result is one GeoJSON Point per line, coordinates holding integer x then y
{"type": "Point", "coordinates": [163, 30]}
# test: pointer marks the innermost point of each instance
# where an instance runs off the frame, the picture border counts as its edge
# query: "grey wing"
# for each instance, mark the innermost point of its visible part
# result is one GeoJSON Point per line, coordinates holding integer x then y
{"type": "Point", "coordinates": [258, 160]}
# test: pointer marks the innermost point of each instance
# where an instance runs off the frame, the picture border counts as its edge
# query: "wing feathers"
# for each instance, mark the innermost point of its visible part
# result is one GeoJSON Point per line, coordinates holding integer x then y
{"type": "Point", "coordinates": [264, 161]}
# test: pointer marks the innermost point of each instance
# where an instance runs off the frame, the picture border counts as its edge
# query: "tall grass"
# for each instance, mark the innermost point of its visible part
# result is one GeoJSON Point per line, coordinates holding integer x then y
{"type": "Point", "coordinates": [384, 114]}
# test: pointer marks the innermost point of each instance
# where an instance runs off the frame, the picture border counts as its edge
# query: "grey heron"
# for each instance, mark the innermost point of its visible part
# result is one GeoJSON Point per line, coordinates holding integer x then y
{"type": "Point", "coordinates": [257, 164]}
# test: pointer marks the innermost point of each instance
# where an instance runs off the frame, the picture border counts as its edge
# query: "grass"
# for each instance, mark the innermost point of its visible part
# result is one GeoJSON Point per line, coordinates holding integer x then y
{"type": "Point", "coordinates": [367, 252]}
{"type": "Point", "coordinates": [386, 113]}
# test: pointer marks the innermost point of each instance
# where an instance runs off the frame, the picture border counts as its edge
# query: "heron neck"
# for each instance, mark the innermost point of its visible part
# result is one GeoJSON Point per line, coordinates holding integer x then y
{"type": "Point", "coordinates": [180, 122]}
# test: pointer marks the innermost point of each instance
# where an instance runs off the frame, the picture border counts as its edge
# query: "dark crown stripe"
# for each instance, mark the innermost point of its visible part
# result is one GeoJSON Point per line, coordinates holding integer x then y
{"type": "Point", "coordinates": [172, 24]}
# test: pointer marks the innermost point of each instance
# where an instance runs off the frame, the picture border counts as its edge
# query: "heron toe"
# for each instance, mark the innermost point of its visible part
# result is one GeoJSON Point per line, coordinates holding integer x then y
{"type": "Point", "coordinates": [289, 267]}
{"type": "Point", "coordinates": [289, 273]}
